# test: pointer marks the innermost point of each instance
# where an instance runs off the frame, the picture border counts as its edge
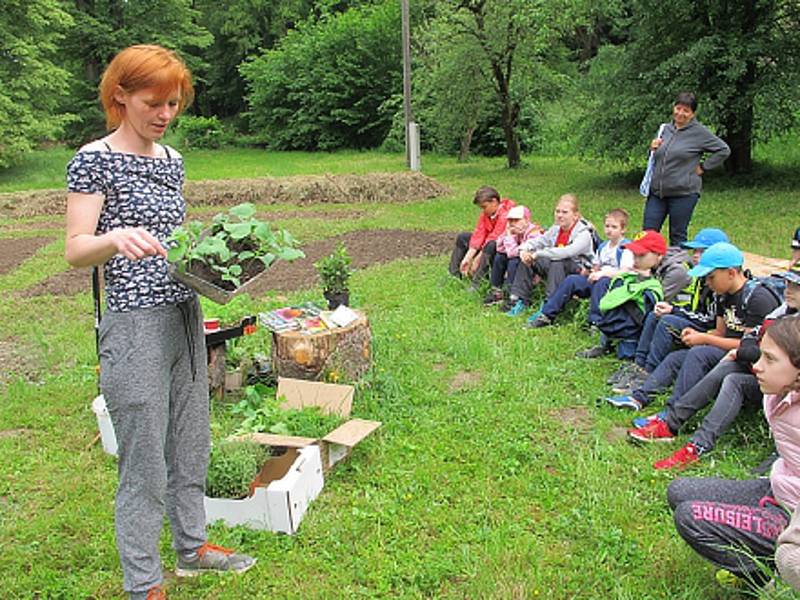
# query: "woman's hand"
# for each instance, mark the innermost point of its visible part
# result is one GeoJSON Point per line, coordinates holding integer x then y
{"type": "Point", "coordinates": [655, 144]}
{"type": "Point", "coordinates": [698, 170]}
{"type": "Point", "coordinates": [136, 243]}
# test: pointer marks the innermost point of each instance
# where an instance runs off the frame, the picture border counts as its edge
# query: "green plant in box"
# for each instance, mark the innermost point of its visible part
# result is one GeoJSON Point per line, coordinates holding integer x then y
{"type": "Point", "coordinates": [236, 247]}
{"type": "Point", "coordinates": [334, 273]}
{"type": "Point", "coordinates": [232, 467]}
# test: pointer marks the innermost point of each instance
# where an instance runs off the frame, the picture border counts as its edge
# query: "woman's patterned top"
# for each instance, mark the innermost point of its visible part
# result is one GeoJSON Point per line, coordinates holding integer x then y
{"type": "Point", "coordinates": [139, 191]}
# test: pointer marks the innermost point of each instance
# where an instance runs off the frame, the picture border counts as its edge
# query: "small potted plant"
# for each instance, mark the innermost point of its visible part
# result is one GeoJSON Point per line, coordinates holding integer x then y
{"type": "Point", "coordinates": [235, 364]}
{"type": "Point", "coordinates": [334, 272]}
{"type": "Point", "coordinates": [219, 261]}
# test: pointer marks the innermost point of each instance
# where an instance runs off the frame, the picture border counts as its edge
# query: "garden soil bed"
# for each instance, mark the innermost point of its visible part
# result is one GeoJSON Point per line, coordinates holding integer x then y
{"type": "Point", "coordinates": [298, 190]}
{"type": "Point", "coordinates": [367, 248]}
{"type": "Point", "coordinates": [15, 251]}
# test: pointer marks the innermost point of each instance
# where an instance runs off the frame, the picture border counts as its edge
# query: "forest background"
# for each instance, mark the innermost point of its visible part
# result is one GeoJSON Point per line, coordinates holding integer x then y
{"type": "Point", "coordinates": [490, 77]}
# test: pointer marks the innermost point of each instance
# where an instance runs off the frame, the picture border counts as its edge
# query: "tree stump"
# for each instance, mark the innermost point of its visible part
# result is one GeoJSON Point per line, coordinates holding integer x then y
{"type": "Point", "coordinates": [342, 354]}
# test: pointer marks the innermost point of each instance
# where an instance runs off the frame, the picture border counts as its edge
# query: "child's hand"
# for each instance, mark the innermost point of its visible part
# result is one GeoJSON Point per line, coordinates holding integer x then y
{"type": "Point", "coordinates": [473, 267]}
{"type": "Point", "coordinates": [526, 257]}
{"type": "Point", "coordinates": [691, 337]}
{"type": "Point", "coordinates": [465, 264]}
{"type": "Point", "coordinates": [662, 308]}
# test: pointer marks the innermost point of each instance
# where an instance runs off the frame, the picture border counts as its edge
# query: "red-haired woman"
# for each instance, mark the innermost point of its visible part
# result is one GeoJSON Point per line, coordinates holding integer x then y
{"type": "Point", "coordinates": [124, 201]}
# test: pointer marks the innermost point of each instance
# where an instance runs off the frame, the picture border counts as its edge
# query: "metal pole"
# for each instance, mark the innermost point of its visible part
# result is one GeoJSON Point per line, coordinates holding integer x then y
{"type": "Point", "coordinates": [406, 76]}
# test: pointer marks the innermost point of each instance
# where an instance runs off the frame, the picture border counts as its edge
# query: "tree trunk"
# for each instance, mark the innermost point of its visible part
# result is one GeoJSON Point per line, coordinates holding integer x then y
{"type": "Point", "coordinates": [466, 142]}
{"type": "Point", "coordinates": [740, 139]}
{"type": "Point", "coordinates": [342, 354]}
{"type": "Point", "coordinates": [509, 122]}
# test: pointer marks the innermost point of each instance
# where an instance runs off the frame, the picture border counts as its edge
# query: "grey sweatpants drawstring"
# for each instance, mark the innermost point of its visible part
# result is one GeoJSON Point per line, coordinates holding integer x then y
{"type": "Point", "coordinates": [189, 323]}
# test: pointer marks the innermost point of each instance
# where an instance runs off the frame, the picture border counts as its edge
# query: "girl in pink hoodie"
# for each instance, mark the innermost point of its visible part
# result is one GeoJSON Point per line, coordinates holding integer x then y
{"type": "Point", "coordinates": [735, 524]}
{"type": "Point", "coordinates": [519, 229]}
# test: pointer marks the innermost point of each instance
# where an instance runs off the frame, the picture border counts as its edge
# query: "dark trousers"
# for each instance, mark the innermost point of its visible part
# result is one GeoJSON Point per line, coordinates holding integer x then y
{"type": "Point", "coordinates": [678, 208]}
{"type": "Point", "coordinates": [726, 522]}
{"type": "Point", "coordinates": [553, 271]}
{"type": "Point", "coordinates": [685, 367]}
{"type": "Point", "coordinates": [504, 269]}
{"type": "Point", "coordinates": [655, 341]}
{"type": "Point", "coordinates": [573, 285]}
{"type": "Point", "coordinates": [460, 251]}
{"type": "Point", "coordinates": [599, 289]}
{"type": "Point", "coordinates": [731, 384]}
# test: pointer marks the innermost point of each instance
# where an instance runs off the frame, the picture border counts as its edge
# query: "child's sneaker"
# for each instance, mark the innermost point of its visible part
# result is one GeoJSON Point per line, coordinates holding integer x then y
{"type": "Point", "coordinates": [655, 431]}
{"type": "Point", "coordinates": [628, 402]}
{"type": "Point", "coordinates": [642, 421]}
{"type": "Point", "coordinates": [518, 308]}
{"type": "Point", "coordinates": [594, 352]}
{"type": "Point", "coordinates": [635, 379]}
{"type": "Point", "coordinates": [210, 558]}
{"type": "Point", "coordinates": [621, 373]}
{"type": "Point", "coordinates": [680, 459]}
{"type": "Point", "coordinates": [538, 320]}
{"type": "Point", "coordinates": [495, 296]}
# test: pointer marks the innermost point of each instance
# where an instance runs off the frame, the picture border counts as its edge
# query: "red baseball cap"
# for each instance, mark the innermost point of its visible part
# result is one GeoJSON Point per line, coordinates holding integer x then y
{"type": "Point", "coordinates": [648, 241]}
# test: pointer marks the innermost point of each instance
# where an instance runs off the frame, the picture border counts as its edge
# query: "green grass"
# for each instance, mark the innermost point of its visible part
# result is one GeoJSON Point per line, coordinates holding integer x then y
{"type": "Point", "coordinates": [494, 475]}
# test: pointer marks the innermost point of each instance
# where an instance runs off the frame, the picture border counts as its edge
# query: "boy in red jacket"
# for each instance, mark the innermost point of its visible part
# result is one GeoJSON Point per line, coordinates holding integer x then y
{"type": "Point", "coordinates": [474, 252]}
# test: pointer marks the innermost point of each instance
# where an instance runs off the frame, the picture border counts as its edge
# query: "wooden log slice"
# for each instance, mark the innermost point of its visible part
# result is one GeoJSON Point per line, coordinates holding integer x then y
{"type": "Point", "coordinates": [342, 354]}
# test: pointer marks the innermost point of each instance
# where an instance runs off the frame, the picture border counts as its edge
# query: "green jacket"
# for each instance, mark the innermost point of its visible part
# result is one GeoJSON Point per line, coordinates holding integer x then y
{"type": "Point", "coordinates": [632, 287]}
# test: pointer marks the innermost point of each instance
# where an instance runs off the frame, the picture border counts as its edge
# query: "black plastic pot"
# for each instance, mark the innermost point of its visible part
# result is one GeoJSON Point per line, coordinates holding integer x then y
{"type": "Point", "coordinates": [334, 300]}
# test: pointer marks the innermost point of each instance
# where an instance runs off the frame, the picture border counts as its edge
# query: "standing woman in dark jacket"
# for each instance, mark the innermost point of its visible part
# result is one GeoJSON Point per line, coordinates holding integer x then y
{"type": "Point", "coordinates": [678, 167]}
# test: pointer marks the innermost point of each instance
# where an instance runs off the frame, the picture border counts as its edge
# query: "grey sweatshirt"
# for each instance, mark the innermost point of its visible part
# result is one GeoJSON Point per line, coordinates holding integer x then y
{"type": "Point", "coordinates": [579, 248]}
{"type": "Point", "coordinates": [681, 151]}
{"type": "Point", "coordinates": [673, 272]}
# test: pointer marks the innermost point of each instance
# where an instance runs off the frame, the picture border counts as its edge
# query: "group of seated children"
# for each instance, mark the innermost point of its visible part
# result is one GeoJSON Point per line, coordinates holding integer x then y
{"type": "Point", "coordinates": [700, 325]}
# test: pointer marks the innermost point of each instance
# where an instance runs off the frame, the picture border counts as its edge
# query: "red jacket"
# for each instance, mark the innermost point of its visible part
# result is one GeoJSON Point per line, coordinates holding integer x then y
{"type": "Point", "coordinates": [491, 228]}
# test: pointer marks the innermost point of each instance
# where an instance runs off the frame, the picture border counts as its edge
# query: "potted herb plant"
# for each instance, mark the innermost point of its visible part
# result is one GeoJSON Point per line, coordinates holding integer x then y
{"type": "Point", "coordinates": [334, 273]}
{"type": "Point", "coordinates": [219, 261]}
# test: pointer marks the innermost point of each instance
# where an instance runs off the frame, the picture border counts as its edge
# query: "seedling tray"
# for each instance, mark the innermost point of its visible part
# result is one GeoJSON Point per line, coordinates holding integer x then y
{"type": "Point", "coordinates": [209, 290]}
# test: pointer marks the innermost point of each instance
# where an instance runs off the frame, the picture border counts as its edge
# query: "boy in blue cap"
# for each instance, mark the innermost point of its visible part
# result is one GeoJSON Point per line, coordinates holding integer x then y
{"type": "Point", "coordinates": [693, 307]}
{"type": "Point", "coordinates": [738, 310]}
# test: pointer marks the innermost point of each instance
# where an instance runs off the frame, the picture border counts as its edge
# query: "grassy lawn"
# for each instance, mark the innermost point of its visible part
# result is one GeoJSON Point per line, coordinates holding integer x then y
{"type": "Point", "coordinates": [495, 474]}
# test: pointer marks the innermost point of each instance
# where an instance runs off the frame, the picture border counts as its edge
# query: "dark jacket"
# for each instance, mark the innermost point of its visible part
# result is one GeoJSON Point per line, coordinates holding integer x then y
{"type": "Point", "coordinates": [681, 151]}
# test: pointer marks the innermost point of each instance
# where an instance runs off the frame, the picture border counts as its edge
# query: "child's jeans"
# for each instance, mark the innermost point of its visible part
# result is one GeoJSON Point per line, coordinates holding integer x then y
{"type": "Point", "coordinates": [573, 285]}
{"type": "Point", "coordinates": [503, 269]}
{"type": "Point", "coordinates": [656, 341]}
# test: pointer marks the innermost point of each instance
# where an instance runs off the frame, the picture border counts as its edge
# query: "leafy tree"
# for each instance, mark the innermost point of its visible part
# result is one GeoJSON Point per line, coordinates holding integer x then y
{"type": "Point", "coordinates": [104, 27]}
{"type": "Point", "coordinates": [742, 59]}
{"type": "Point", "coordinates": [30, 31]}
{"type": "Point", "coordinates": [511, 40]}
{"type": "Point", "coordinates": [324, 86]}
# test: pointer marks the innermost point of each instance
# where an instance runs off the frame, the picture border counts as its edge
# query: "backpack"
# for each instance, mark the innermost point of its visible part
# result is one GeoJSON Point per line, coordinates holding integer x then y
{"type": "Point", "coordinates": [774, 285]}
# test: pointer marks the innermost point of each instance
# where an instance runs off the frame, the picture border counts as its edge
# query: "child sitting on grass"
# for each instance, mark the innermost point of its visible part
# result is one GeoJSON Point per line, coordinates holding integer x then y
{"type": "Point", "coordinates": [735, 524]}
{"type": "Point", "coordinates": [473, 253]}
{"type": "Point", "coordinates": [564, 249]}
{"type": "Point", "coordinates": [519, 230]}
{"type": "Point", "coordinates": [626, 299]}
{"type": "Point", "coordinates": [610, 259]}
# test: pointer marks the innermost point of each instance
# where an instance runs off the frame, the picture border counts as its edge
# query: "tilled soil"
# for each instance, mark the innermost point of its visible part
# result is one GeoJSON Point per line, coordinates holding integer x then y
{"type": "Point", "coordinates": [366, 247]}
{"type": "Point", "coordinates": [13, 252]}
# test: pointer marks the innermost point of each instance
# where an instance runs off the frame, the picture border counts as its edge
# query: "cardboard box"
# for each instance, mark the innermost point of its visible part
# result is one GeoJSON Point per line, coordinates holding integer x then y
{"type": "Point", "coordinates": [330, 398]}
{"type": "Point", "coordinates": [288, 483]}
{"type": "Point", "coordinates": [282, 492]}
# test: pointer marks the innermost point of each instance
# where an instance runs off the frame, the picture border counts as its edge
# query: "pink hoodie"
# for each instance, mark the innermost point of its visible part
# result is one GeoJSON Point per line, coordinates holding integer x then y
{"type": "Point", "coordinates": [509, 244]}
{"type": "Point", "coordinates": [783, 416]}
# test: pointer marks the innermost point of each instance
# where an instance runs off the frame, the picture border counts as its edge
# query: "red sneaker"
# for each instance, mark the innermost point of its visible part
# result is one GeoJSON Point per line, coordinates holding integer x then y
{"type": "Point", "coordinates": [686, 456]}
{"type": "Point", "coordinates": [655, 431]}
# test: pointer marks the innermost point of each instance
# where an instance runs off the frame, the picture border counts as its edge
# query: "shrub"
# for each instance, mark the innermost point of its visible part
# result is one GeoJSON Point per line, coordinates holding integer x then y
{"type": "Point", "coordinates": [200, 132]}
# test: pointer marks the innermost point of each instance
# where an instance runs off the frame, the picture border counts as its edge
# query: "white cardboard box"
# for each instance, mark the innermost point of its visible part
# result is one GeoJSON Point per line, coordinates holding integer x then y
{"type": "Point", "coordinates": [282, 493]}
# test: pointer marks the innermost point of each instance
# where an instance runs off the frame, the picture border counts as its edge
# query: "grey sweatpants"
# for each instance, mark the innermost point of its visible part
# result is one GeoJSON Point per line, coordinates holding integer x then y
{"type": "Point", "coordinates": [732, 523]}
{"type": "Point", "coordinates": [153, 377]}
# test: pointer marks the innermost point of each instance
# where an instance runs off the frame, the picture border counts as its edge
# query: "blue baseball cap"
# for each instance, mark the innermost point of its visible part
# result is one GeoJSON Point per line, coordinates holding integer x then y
{"type": "Point", "coordinates": [705, 238]}
{"type": "Point", "coordinates": [792, 275]}
{"type": "Point", "coordinates": [721, 255]}
{"type": "Point", "coordinates": [796, 239]}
